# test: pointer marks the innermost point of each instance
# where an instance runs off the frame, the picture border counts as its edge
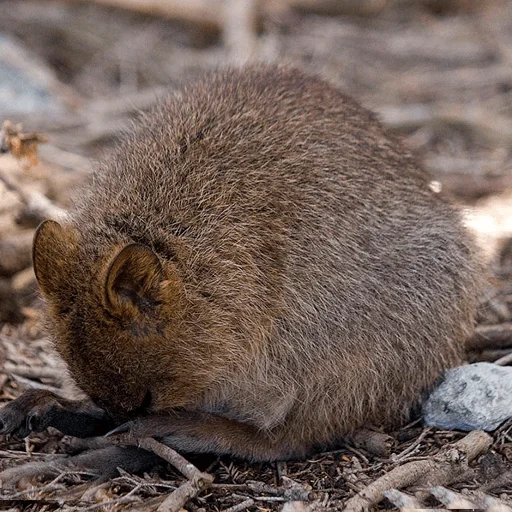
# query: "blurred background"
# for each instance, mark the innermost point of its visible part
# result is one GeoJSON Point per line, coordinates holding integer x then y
{"type": "Point", "coordinates": [437, 72]}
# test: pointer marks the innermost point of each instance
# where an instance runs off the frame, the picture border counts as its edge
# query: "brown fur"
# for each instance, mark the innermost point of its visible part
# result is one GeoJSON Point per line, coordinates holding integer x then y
{"type": "Point", "coordinates": [267, 262]}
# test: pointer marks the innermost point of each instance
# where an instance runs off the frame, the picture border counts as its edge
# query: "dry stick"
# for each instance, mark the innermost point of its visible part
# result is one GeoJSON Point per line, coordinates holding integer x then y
{"type": "Point", "coordinates": [487, 356]}
{"type": "Point", "coordinates": [127, 498]}
{"type": "Point", "coordinates": [127, 103]}
{"type": "Point", "coordinates": [376, 443]}
{"type": "Point", "coordinates": [402, 501]}
{"type": "Point", "coordinates": [32, 384]}
{"type": "Point", "coordinates": [38, 204]}
{"type": "Point", "coordinates": [208, 13]}
{"type": "Point", "coordinates": [65, 159]}
{"type": "Point", "coordinates": [451, 499]}
{"type": "Point", "coordinates": [239, 28]}
{"type": "Point", "coordinates": [34, 372]}
{"type": "Point", "coordinates": [290, 490]}
{"type": "Point", "coordinates": [241, 506]}
{"type": "Point", "coordinates": [471, 182]}
{"type": "Point", "coordinates": [503, 361]}
{"type": "Point", "coordinates": [201, 12]}
{"type": "Point", "coordinates": [16, 454]}
{"type": "Point", "coordinates": [337, 7]}
{"type": "Point", "coordinates": [197, 480]}
{"type": "Point", "coordinates": [412, 448]}
{"type": "Point", "coordinates": [474, 501]}
{"type": "Point", "coordinates": [492, 128]}
{"type": "Point", "coordinates": [442, 469]}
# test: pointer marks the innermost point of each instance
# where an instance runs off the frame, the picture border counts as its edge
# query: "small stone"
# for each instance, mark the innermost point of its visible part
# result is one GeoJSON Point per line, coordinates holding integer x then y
{"type": "Point", "coordinates": [473, 397]}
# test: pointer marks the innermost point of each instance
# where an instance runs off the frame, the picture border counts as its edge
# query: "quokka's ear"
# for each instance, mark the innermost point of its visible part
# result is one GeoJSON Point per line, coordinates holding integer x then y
{"type": "Point", "coordinates": [132, 281]}
{"type": "Point", "coordinates": [53, 247]}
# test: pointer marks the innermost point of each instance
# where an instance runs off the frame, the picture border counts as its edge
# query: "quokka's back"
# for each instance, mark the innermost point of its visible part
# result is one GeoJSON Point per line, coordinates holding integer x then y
{"type": "Point", "coordinates": [293, 272]}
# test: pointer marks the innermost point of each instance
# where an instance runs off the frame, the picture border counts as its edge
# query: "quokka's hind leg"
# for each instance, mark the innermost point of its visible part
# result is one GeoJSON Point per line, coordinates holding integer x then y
{"type": "Point", "coordinates": [197, 432]}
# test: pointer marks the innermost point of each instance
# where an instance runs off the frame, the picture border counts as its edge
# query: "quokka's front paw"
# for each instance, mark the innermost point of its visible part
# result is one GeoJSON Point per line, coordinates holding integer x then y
{"type": "Point", "coordinates": [31, 412]}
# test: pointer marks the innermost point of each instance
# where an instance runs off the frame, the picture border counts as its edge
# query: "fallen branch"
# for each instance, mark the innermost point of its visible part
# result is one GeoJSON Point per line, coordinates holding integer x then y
{"type": "Point", "coordinates": [37, 204]}
{"type": "Point", "coordinates": [207, 14]}
{"type": "Point", "coordinates": [472, 501]}
{"type": "Point", "coordinates": [32, 384]}
{"type": "Point", "coordinates": [239, 28]}
{"type": "Point", "coordinates": [491, 336]}
{"type": "Point", "coordinates": [402, 501]}
{"type": "Point", "coordinates": [451, 500]}
{"type": "Point", "coordinates": [450, 463]}
{"type": "Point", "coordinates": [204, 13]}
{"type": "Point", "coordinates": [337, 7]}
{"type": "Point", "coordinates": [197, 480]}
{"type": "Point", "coordinates": [491, 128]}
{"type": "Point", "coordinates": [504, 360]}
{"type": "Point", "coordinates": [35, 372]}
{"type": "Point", "coordinates": [376, 443]}
{"type": "Point", "coordinates": [487, 356]}
{"type": "Point", "coordinates": [244, 505]}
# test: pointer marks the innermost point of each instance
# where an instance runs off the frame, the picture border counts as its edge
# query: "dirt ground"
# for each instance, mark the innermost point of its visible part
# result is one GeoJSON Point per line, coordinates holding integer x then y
{"type": "Point", "coordinates": [437, 72]}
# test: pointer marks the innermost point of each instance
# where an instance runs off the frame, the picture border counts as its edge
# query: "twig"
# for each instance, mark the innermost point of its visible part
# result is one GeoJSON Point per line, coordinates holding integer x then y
{"type": "Point", "coordinates": [338, 7]}
{"type": "Point", "coordinates": [403, 501]}
{"type": "Point", "coordinates": [241, 506]}
{"type": "Point", "coordinates": [16, 454]}
{"type": "Point", "coordinates": [239, 29]}
{"type": "Point", "coordinates": [488, 356]}
{"type": "Point", "coordinates": [410, 449]}
{"type": "Point", "coordinates": [207, 13]}
{"type": "Point", "coordinates": [64, 159]}
{"type": "Point", "coordinates": [357, 452]}
{"type": "Point", "coordinates": [291, 490]}
{"type": "Point", "coordinates": [185, 492]}
{"type": "Point", "coordinates": [451, 499]}
{"type": "Point", "coordinates": [503, 361]}
{"type": "Point", "coordinates": [374, 442]}
{"type": "Point", "coordinates": [271, 499]}
{"type": "Point", "coordinates": [456, 501]}
{"type": "Point", "coordinates": [201, 12]}
{"type": "Point", "coordinates": [197, 480]}
{"type": "Point", "coordinates": [185, 467]}
{"type": "Point", "coordinates": [127, 103]}
{"type": "Point", "coordinates": [444, 468]}
{"type": "Point", "coordinates": [31, 384]}
{"type": "Point", "coordinates": [34, 372]}
{"type": "Point", "coordinates": [491, 336]}
{"type": "Point", "coordinates": [38, 204]}
{"type": "Point", "coordinates": [127, 498]}
{"type": "Point", "coordinates": [494, 129]}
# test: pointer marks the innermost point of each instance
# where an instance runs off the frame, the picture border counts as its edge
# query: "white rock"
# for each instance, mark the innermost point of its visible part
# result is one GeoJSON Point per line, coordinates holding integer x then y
{"type": "Point", "coordinates": [473, 397]}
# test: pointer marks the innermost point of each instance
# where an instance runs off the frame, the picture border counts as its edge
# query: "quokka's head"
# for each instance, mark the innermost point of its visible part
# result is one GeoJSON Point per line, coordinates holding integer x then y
{"type": "Point", "coordinates": [121, 320]}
